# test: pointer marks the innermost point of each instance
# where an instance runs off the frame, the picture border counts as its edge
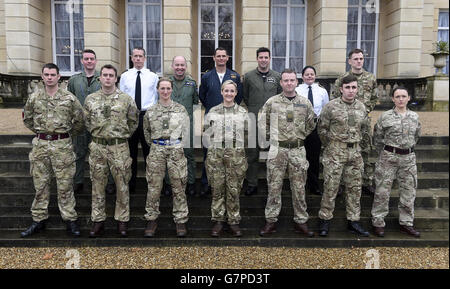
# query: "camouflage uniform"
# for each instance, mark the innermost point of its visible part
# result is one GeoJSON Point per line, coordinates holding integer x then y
{"type": "Point", "coordinates": [79, 86]}
{"type": "Point", "coordinates": [111, 120]}
{"type": "Point", "coordinates": [185, 93]}
{"type": "Point", "coordinates": [286, 123]}
{"type": "Point", "coordinates": [340, 126]}
{"type": "Point", "coordinates": [164, 127]}
{"type": "Point", "coordinates": [368, 95]}
{"type": "Point", "coordinates": [400, 132]}
{"type": "Point", "coordinates": [51, 115]}
{"type": "Point", "coordinates": [226, 164]}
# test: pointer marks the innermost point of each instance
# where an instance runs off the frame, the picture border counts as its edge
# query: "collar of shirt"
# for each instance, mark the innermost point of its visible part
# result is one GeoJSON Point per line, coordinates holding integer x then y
{"type": "Point", "coordinates": [149, 81]}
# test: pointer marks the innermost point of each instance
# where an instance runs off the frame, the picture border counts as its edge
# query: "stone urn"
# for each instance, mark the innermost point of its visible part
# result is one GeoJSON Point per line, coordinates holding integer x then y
{"type": "Point", "coordinates": [440, 61]}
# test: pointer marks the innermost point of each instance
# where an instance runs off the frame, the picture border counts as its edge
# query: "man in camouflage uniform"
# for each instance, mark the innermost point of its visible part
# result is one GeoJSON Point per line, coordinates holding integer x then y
{"type": "Point", "coordinates": [165, 129]}
{"type": "Point", "coordinates": [185, 92]}
{"type": "Point", "coordinates": [111, 117]}
{"type": "Point", "coordinates": [395, 135]}
{"type": "Point", "coordinates": [259, 85]}
{"type": "Point", "coordinates": [54, 115]}
{"type": "Point", "coordinates": [226, 127]}
{"type": "Point", "coordinates": [340, 130]}
{"type": "Point", "coordinates": [286, 119]}
{"type": "Point", "coordinates": [368, 95]}
{"type": "Point", "coordinates": [81, 85]}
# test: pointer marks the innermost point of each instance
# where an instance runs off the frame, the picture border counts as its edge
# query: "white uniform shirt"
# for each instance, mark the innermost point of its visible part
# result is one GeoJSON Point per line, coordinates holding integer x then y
{"type": "Point", "coordinates": [149, 80]}
{"type": "Point", "coordinates": [320, 95]}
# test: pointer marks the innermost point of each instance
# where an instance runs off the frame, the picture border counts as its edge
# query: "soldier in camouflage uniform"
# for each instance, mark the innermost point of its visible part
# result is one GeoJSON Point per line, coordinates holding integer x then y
{"type": "Point", "coordinates": [54, 115]}
{"type": "Point", "coordinates": [165, 130]}
{"type": "Point", "coordinates": [368, 95]}
{"type": "Point", "coordinates": [395, 134]}
{"type": "Point", "coordinates": [286, 119]}
{"type": "Point", "coordinates": [111, 117]}
{"type": "Point", "coordinates": [340, 129]}
{"type": "Point", "coordinates": [185, 93]}
{"type": "Point", "coordinates": [225, 130]}
{"type": "Point", "coordinates": [81, 85]}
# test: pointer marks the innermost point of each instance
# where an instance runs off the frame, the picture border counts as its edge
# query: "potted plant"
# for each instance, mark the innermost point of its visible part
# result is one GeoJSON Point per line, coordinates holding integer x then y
{"type": "Point", "coordinates": [440, 55]}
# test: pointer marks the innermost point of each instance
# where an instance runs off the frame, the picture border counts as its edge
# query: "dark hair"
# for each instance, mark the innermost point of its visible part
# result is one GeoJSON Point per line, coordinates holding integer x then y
{"type": "Point", "coordinates": [220, 48]}
{"type": "Point", "coordinates": [164, 79]}
{"type": "Point", "coordinates": [108, 66]}
{"type": "Point", "coordinates": [288, 70]}
{"type": "Point", "coordinates": [51, 66]}
{"type": "Point", "coordinates": [88, 51]}
{"type": "Point", "coordinates": [308, 66]}
{"type": "Point", "coordinates": [138, 48]}
{"type": "Point", "coordinates": [262, 49]}
{"type": "Point", "coordinates": [356, 50]}
{"type": "Point", "coordinates": [400, 87]}
{"type": "Point", "coordinates": [348, 79]}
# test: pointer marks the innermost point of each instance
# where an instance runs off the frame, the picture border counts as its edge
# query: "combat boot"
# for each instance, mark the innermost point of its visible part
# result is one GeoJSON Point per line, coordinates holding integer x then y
{"type": "Point", "coordinates": [122, 228]}
{"type": "Point", "coordinates": [34, 228]}
{"type": "Point", "coordinates": [410, 231]}
{"type": "Point", "coordinates": [97, 230]}
{"type": "Point", "coordinates": [303, 229]}
{"type": "Point", "coordinates": [235, 230]}
{"type": "Point", "coordinates": [73, 228]}
{"type": "Point", "coordinates": [356, 228]}
{"type": "Point", "coordinates": [324, 227]}
{"type": "Point", "coordinates": [181, 230]}
{"type": "Point", "coordinates": [150, 229]}
{"type": "Point", "coordinates": [268, 228]}
{"type": "Point", "coordinates": [216, 229]}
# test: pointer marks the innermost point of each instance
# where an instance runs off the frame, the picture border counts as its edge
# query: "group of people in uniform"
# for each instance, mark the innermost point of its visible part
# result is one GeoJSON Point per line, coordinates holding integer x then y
{"type": "Point", "coordinates": [290, 125]}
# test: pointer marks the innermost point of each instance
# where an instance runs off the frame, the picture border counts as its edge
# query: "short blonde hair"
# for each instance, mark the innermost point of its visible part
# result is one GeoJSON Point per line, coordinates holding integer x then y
{"type": "Point", "coordinates": [229, 82]}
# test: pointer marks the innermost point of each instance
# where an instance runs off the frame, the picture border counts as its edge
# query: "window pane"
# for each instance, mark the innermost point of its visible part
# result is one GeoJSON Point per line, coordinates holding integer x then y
{"type": "Point", "coordinates": [207, 47]}
{"type": "Point", "coordinates": [78, 13]}
{"type": "Point", "coordinates": [61, 12]}
{"type": "Point", "coordinates": [62, 28]}
{"type": "Point", "coordinates": [228, 45]}
{"type": "Point", "coordinates": [443, 19]}
{"type": "Point", "coordinates": [208, 31]}
{"type": "Point", "coordinates": [135, 30]}
{"type": "Point", "coordinates": [153, 31]}
{"type": "Point", "coordinates": [279, 32]}
{"type": "Point", "coordinates": [153, 13]}
{"type": "Point", "coordinates": [278, 64]}
{"type": "Point", "coordinates": [296, 63]}
{"type": "Point", "coordinates": [134, 13]}
{"type": "Point", "coordinates": [154, 63]}
{"type": "Point", "coordinates": [226, 31]}
{"type": "Point", "coordinates": [279, 48]}
{"type": "Point", "coordinates": [207, 63]}
{"type": "Point", "coordinates": [208, 14]}
{"type": "Point", "coordinates": [78, 29]}
{"type": "Point", "coordinates": [63, 63]}
{"type": "Point", "coordinates": [154, 47]}
{"type": "Point", "coordinates": [275, 2]}
{"type": "Point", "coordinates": [296, 48]}
{"type": "Point", "coordinates": [63, 46]}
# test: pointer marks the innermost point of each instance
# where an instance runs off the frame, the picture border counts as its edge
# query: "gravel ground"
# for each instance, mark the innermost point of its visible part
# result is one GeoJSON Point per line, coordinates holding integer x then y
{"type": "Point", "coordinates": [223, 258]}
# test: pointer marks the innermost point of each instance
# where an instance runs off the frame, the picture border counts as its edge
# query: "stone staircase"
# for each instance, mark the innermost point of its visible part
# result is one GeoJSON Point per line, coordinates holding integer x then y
{"type": "Point", "coordinates": [17, 193]}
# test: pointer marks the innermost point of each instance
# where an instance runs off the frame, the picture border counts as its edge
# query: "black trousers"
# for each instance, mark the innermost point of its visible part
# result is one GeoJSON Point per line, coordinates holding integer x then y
{"type": "Point", "coordinates": [133, 142]}
{"type": "Point", "coordinates": [312, 146]}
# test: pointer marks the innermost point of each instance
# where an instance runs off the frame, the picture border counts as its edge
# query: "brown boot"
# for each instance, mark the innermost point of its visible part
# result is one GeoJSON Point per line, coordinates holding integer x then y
{"type": "Point", "coordinates": [235, 230]}
{"type": "Point", "coordinates": [150, 229]}
{"type": "Point", "coordinates": [122, 228]}
{"type": "Point", "coordinates": [303, 229]}
{"type": "Point", "coordinates": [181, 230]}
{"type": "Point", "coordinates": [98, 229]}
{"type": "Point", "coordinates": [378, 231]}
{"type": "Point", "coordinates": [268, 228]}
{"type": "Point", "coordinates": [216, 229]}
{"type": "Point", "coordinates": [410, 231]}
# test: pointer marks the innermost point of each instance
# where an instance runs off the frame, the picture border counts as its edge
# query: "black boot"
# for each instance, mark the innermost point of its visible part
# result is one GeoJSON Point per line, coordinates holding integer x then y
{"type": "Point", "coordinates": [34, 228]}
{"type": "Point", "coordinates": [73, 228]}
{"type": "Point", "coordinates": [356, 228]}
{"type": "Point", "coordinates": [324, 227]}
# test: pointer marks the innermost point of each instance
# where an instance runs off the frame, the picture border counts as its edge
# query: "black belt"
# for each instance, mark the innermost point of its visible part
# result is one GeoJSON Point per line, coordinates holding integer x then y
{"type": "Point", "coordinates": [291, 144]}
{"type": "Point", "coordinates": [109, 142]}
{"type": "Point", "coordinates": [45, 136]}
{"type": "Point", "coordinates": [398, 150]}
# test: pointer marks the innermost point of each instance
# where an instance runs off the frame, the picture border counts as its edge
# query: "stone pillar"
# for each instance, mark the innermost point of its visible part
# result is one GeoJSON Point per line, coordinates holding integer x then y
{"type": "Point", "coordinates": [101, 30]}
{"type": "Point", "coordinates": [2, 38]}
{"type": "Point", "coordinates": [177, 32]}
{"type": "Point", "coordinates": [402, 38]}
{"type": "Point", "coordinates": [439, 91]}
{"type": "Point", "coordinates": [330, 37]}
{"type": "Point", "coordinates": [255, 31]}
{"type": "Point", "coordinates": [28, 36]}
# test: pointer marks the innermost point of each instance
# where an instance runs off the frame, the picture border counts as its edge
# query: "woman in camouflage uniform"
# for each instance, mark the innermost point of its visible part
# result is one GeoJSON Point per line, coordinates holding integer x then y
{"type": "Point", "coordinates": [166, 126]}
{"type": "Point", "coordinates": [226, 164]}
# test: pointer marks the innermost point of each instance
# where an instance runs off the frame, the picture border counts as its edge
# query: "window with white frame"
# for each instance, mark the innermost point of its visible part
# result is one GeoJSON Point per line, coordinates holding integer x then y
{"type": "Point", "coordinates": [443, 32]}
{"type": "Point", "coordinates": [216, 28]}
{"type": "Point", "coordinates": [288, 34]}
{"type": "Point", "coordinates": [68, 35]}
{"type": "Point", "coordinates": [144, 30]}
{"type": "Point", "coordinates": [362, 30]}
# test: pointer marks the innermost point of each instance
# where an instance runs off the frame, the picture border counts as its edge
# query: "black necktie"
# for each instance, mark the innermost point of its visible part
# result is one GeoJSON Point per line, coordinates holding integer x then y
{"type": "Point", "coordinates": [310, 96]}
{"type": "Point", "coordinates": [137, 92]}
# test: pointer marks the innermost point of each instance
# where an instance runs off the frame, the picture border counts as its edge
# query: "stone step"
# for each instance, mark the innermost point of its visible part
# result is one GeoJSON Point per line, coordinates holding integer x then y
{"type": "Point", "coordinates": [425, 199]}
{"type": "Point", "coordinates": [425, 220]}
{"type": "Point", "coordinates": [283, 238]}
{"type": "Point", "coordinates": [20, 182]}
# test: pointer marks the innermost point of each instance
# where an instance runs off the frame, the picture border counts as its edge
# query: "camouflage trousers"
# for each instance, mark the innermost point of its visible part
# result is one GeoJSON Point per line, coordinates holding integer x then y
{"type": "Point", "coordinates": [366, 147]}
{"type": "Point", "coordinates": [172, 158]}
{"type": "Point", "coordinates": [340, 162]}
{"type": "Point", "coordinates": [226, 168]}
{"type": "Point", "coordinates": [392, 166]}
{"type": "Point", "coordinates": [114, 158]}
{"type": "Point", "coordinates": [294, 160]}
{"type": "Point", "coordinates": [48, 158]}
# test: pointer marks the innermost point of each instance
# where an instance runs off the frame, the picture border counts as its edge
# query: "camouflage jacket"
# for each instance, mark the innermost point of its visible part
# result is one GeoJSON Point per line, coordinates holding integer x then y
{"type": "Point", "coordinates": [166, 122]}
{"type": "Point", "coordinates": [286, 120]}
{"type": "Point", "coordinates": [367, 89]}
{"type": "Point", "coordinates": [111, 116]}
{"type": "Point", "coordinates": [61, 113]}
{"type": "Point", "coordinates": [397, 131]}
{"type": "Point", "coordinates": [342, 122]}
{"type": "Point", "coordinates": [226, 125]}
